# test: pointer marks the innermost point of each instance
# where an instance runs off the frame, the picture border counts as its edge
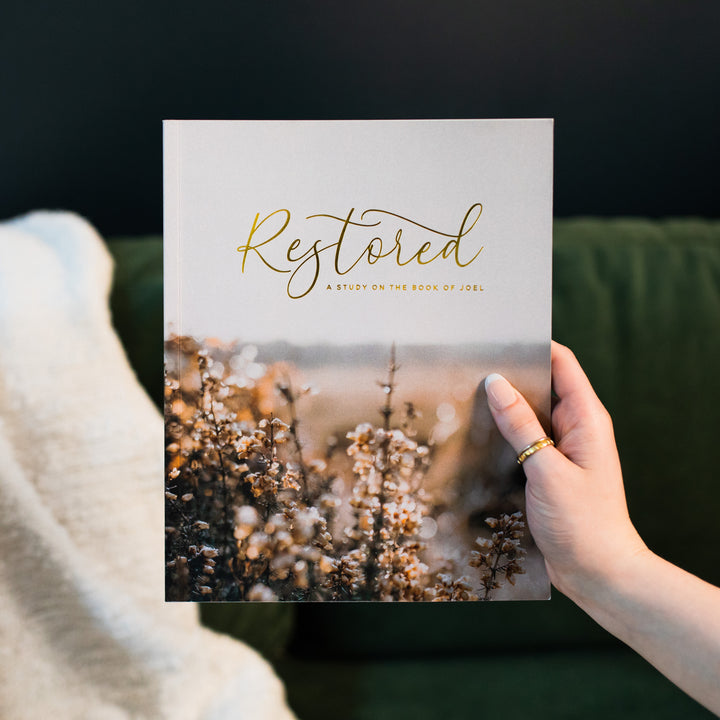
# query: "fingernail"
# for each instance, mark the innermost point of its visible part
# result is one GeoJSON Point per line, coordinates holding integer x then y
{"type": "Point", "coordinates": [500, 392]}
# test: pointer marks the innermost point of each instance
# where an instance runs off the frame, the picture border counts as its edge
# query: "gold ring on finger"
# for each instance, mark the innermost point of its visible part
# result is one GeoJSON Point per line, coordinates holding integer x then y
{"type": "Point", "coordinates": [531, 449]}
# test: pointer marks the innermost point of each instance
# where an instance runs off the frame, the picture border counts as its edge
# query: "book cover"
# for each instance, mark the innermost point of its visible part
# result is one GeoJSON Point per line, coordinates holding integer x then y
{"type": "Point", "coordinates": [335, 294]}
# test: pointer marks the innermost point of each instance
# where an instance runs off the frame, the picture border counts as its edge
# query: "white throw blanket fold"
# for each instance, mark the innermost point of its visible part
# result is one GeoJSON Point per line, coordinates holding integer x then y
{"type": "Point", "coordinates": [84, 630]}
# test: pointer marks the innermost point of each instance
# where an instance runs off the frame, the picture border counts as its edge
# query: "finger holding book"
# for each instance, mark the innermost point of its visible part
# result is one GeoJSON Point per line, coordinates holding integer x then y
{"type": "Point", "coordinates": [576, 504]}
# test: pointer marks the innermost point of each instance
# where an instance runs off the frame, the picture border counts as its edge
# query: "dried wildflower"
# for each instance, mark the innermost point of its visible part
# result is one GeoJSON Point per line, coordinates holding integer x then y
{"type": "Point", "coordinates": [448, 590]}
{"type": "Point", "coordinates": [261, 593]}
{"type": "Point", "coordinates": [250, 515]}
{"type": "Point", "coordinates": [346, 576]}
{"type": "Point", "coordinates": [499, 557]}
{"type": "Point", "coordinates": [328, 501]}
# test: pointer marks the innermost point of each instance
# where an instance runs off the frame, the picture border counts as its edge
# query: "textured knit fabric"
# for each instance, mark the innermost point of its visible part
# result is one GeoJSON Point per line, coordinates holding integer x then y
{"type": "Point", "coordinates": [84, 630]}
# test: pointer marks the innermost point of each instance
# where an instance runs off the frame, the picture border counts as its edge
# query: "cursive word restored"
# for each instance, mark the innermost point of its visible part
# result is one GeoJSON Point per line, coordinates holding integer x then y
{"type": "Point", "coordinates": [394, 238]}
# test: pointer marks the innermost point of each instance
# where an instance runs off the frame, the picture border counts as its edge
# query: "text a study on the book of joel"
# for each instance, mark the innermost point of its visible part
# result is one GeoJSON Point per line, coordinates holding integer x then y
{"type": "Point", "coordinates": [352, 248]}
{"type": "Point", "coordinates": [335, 294]}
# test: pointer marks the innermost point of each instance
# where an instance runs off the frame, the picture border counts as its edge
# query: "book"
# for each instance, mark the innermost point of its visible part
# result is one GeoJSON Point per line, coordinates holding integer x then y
{"type": "Point", "coordinates": [335, 294]}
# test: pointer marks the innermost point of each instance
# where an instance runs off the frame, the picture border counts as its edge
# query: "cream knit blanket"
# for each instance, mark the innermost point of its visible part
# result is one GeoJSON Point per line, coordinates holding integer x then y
{"type": "Point", "coordinates": [84, 630]}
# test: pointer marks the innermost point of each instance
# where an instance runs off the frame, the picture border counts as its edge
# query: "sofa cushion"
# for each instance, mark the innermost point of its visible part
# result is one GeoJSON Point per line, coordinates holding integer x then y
{"type": "Point", "coordinates": [639, 302]}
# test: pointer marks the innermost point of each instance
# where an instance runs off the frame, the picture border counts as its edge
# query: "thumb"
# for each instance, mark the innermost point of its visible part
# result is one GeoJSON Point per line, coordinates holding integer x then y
{"type": "Point", "coordinates": [514, 417]}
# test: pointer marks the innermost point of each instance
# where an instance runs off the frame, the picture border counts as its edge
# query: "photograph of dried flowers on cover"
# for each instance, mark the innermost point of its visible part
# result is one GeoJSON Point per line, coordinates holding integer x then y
{"type": "Point", "coordinates": [336, 473]}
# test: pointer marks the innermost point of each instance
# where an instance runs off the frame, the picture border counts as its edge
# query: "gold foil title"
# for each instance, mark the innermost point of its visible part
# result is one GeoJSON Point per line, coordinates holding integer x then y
{"type": "Point", "coordinates": [303, 263]}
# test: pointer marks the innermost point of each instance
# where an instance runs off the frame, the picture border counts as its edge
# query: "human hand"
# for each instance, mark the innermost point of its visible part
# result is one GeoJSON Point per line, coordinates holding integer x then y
{"type": "Point", "coordinates": [575, 500]}
{"type": "Point", "coordinates": [576, 510]}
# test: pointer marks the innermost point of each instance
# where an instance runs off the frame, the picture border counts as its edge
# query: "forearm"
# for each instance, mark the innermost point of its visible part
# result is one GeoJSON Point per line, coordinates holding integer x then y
{"type": "Point", "coordinates": [667, 615]}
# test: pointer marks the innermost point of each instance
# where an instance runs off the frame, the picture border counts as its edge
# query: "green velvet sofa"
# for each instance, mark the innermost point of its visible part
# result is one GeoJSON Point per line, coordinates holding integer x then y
{"type": "Point", "coordinates": [639, 303]}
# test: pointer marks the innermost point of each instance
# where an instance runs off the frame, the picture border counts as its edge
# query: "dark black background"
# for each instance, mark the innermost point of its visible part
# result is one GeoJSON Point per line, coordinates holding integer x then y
{"type": "Point", "coordinates": [633, 86]}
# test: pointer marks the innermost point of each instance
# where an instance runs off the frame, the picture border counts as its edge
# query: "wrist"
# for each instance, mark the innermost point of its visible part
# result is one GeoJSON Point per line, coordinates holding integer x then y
{"type": "Point", "coordinates": [598, 584]}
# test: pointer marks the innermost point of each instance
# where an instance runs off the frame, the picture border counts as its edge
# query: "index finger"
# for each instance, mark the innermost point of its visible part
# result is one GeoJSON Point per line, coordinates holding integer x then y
{"type": "Point", "coordinates": [513, 416]}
